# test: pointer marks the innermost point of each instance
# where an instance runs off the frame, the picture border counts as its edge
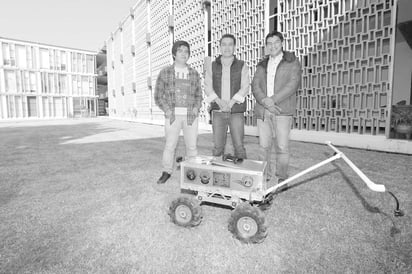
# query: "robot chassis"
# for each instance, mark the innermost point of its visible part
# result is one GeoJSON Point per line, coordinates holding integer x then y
{"type": "Point", "coordinates": [241, 185]}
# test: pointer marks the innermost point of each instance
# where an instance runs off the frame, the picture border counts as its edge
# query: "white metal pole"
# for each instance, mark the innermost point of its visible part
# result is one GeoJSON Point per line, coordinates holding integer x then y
{"type": "Point", "coordinates": [333, 158]}
{"type": "Point", "coordinates": [368, 182]}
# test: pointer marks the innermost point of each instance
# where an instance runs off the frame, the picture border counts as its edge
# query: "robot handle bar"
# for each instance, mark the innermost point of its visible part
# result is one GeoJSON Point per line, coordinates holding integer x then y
{"type": "Point", "coordinates": [338, 154]}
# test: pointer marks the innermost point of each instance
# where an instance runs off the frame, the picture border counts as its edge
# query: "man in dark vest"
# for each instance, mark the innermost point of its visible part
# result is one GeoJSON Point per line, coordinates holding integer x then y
{"type": "Point", "coordinates": [226, 86]}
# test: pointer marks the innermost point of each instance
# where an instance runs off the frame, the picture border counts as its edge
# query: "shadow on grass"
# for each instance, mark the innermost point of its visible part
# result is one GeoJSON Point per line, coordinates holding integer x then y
{"type": "Point", "coordinates": [313, 178]}
{"type": "Point", "coordinates": [365, 204]}
{"type": "Point", "coordinates": [372, 209]}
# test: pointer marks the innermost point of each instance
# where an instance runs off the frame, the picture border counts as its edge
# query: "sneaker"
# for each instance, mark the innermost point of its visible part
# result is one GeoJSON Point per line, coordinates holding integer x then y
{"type": "Point", "coordinates": [165, 176]}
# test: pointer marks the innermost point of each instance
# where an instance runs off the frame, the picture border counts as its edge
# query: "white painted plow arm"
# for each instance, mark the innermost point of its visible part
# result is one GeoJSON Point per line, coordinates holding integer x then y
{"type": "Point", "coordinates": [368, 182]}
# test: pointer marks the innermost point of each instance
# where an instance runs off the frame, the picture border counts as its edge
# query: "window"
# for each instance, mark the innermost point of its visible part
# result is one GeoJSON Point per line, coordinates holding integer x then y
{"type": "Point", "coordinates": [63, 83]}
{"type": "Point", "coordinates": [10, 80]}
{"type": "Point", "coordinates": [29, 55]}
{"type": "Point", "coordinates": [208, 12]}
{"type": "Point", "coordinates": [84, 63]}
{"type": "Point", "coordinates": [44, 59]}
{"type": "Point", "coordinates": [58, 60]}
{"type": "Point", "coordinates": [33, 82]}
{"type": "Point", "coordinates": [32, 106]}
{"type": "Point", "coordinates": [74, 62]}
{"type": "Point", "coordinates": [91, 86]}
{"type": "Point", "coordinates": [43, 82]}
{"type": "Point", "coordinates": [273, 15]}
{"type": "Point", "coordinates": [12, 55]}
{"type": "Point", "coordinates": [10, 101]}
{"type": "Point", "coordinates": [24, 106]}
{"type": "Point", "coordinates": [56, 83]}
{"type": "Point", "coordinates": [63, 61]}
{"type": "Point", "coordinates": [52, 59]}
{"type": "Point", "coordinates": [90, 63]}
{"type": "Point", "coordinates": [81, 64]}
{"type": "Point", "coordinates": [51, 83]}
{"type": "Point", "coordinates": [21, 56]}
{"type": "Point", "coordinates": [85, 85]}
{"type": "Point", "coordinates": [6, 54]}
{"type": "Point", "coordinates": [79, 84]}
{"type": "Point", "coordinates": [74, 84]}
{"type": "Point", "coordinates": [18, 102]}
{"type": "Point", "coordinates": [19, 81]}
{"type": "Point", "coordinates": [26, 81]}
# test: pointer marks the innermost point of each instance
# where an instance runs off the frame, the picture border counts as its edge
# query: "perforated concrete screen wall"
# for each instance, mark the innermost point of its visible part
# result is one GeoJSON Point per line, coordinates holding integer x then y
{"type": "Point", "coordinates": [244, 19]}
{"type": "Point", "coordinates": [161, 39]}
{"type": "Point", "coordinates": [140, 51]}
{"type": "Point", "coordinates": [345, 48]}
{"type": "Point", "coordinates": [189, 25]}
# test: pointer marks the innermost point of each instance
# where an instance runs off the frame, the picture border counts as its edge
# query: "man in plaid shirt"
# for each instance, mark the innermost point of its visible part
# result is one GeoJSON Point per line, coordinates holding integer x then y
{"type": "Point", "coordinates": [178, 94]}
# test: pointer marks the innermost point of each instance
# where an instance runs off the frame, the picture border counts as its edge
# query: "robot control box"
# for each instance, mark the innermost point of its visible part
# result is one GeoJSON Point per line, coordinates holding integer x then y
{"type": "Point", "coordinates": [212, 175]}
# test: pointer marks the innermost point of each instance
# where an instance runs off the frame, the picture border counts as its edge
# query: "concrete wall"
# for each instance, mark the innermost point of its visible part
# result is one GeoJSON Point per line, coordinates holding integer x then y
{"type": "Point", "coordinates": [403, 58]}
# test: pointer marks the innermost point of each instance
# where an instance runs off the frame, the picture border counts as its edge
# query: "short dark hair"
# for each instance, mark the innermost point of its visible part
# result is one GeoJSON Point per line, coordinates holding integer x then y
{"type": "Point", "coordinates": [179, 44]}
{"type": "Point", "coordinates": [228, 35]}
{"type": "Point", "coordinates": [273, 34]}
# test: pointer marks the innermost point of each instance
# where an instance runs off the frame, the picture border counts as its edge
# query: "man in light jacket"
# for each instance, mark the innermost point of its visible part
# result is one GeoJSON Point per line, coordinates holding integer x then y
{"type": "Point", "coordinates": [275, 83]}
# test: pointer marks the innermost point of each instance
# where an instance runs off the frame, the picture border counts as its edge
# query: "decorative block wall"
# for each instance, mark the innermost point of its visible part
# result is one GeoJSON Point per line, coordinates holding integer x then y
{"type": "Point", "coordinates": [245, 20]}
{"type": "Point", "coordinates": [189, 25]}
{"type": "Point", "coordinates": [141, 65]}
{"type": "Point", "coordinates": [160, 42]}
{"type": "Point", "coordinates": [126, 59]}
{"type": "Point", "coordinates": [344, 47]}
{"type": "Point", "coordinates": [129, 67]}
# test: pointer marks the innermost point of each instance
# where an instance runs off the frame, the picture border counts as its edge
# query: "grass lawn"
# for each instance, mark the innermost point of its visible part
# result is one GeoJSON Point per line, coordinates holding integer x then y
{"type": "Point", "coordinates": [80, 196]}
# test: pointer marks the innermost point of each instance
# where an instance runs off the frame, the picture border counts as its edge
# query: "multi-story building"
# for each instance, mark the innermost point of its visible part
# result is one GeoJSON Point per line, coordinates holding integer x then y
{"type": "Point", "coordinates": [352, 55]}
{"type": "Point", "coordinates": [101, 90]}
{"type": "Point", "coordinates": [45, 81]}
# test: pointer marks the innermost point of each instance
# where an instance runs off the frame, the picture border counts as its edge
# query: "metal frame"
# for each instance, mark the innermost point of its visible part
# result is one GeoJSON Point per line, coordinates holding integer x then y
{"type": "Point", "coordinates": [232, 197]}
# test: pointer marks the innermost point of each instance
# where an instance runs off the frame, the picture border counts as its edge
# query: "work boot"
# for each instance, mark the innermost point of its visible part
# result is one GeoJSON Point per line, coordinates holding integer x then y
{"type": "Point", "coordinates": [165, 176]}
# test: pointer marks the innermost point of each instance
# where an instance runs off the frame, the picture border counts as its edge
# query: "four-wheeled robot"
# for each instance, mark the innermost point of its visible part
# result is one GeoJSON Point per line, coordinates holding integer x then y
{"type": "Point", "coordinates": [241, 185]}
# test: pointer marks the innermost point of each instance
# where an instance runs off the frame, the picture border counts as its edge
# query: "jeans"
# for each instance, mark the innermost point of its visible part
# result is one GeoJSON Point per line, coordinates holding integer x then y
{"type": "Point", "coordinates": [236, 123]}
{"type": "Point", "coordinates": [275, 130]}
{"type": "Point", "coordinates": [172, 132]}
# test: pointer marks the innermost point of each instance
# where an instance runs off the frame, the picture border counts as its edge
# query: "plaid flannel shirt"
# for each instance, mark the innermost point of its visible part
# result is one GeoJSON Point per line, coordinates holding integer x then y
{"type": "Point", "coordinates": [165, 95]}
